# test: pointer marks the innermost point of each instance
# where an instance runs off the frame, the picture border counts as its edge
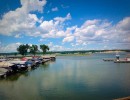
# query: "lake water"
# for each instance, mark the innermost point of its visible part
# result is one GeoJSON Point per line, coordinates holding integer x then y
{"type": "Point", "coordinates": [70, 78]}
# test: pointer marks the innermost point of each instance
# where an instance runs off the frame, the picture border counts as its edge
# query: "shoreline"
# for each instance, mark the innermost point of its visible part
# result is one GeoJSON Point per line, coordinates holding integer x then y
{"type": "Point", "coordinates": [73, 54]}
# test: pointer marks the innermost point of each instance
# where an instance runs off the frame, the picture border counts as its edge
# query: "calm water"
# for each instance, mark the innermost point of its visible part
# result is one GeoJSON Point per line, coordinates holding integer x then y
{"type": "Point", "coordinates": [70, 78]}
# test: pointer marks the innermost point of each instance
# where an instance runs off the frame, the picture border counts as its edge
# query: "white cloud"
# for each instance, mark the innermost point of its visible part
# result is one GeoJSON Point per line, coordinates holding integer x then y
{"type": "Point", "coordinates": [47, 25]}
{"type": "Point", "coordinates": [65, 7]}
{"type": "Point", "coordinates": [33, 5]}
{"type": "Point", "coordinates": [55, 47]}
{"type": "Point", "coordinates": [100, 31]}
{"type": "Point", "coordinates": [55, 9]}
{"type": "Point", "coordinates": [9, 48]}
{"type": "Point", "coordinates": [124, 24]}
{"type": "Point", "coordinates": [60, 34]}
{"type": "Point", "coordinates": [90, 22]}
{"type": "Point", "coordinates": [68, 39]}
{"type": "Point", "coordinates": [61, 19]}
{"type": "Point", "coordinates": [21, 21]}
{"type": "Point", "coordinates": [17, 36]}
{"type": "Point", "coordinates": [54, 28]}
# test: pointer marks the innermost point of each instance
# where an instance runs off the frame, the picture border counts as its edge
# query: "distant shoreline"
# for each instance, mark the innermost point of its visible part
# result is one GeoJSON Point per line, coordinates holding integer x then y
{"type": "Point", "coordinates": [68, 53]}
{"type": "Point", "coordinates": [73, 54]}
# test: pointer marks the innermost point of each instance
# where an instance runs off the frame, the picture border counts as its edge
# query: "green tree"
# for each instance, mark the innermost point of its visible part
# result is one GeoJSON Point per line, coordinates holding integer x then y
{"type": "Point", "coordinates": [15, 54]}
{"type": "Point", "coordinates": [33, 49]}
{"type": "Point", "coordinates": [44, 48]}
{"type": "Point", "coordinates": [23, 49]}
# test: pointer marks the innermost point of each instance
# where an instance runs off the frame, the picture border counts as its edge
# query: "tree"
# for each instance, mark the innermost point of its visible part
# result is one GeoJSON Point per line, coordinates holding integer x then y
{"type": "Point", "coordinates": [15, 54]}
{"type": "Point", "coordinates": [44, 48]}
{"type": "Point", "coordinates": [33, 49]}
{"type": "Point", "coordinates": [23, 49]}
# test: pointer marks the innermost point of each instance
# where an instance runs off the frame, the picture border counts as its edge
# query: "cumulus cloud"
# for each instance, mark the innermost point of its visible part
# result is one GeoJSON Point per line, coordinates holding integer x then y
{"type": "Point", "coordinates": [68, 39]}
{"type": "Point", "coordinates": [55, 9]}
{"type": "Point", "coordinates": [33, 5]}
{"type": "Point", "coordinates": [17, 36]}
{"type": "Point", "coordinates": [54, 28]}
{"type": "Point", "coordinates": [55, 47]}
{"type": "Point", "coordinates": [101, 31]}
{"type": "Point", "coordinates": [9, 48]}
{"type": "Point", "coordinates": [124, 24]}
{"type": "Point", "coordinates": [21, 20]}
{"type": "Point", "coordinates": [61, 19]}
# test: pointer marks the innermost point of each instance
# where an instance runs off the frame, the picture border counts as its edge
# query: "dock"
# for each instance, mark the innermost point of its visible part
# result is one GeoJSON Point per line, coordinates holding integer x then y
{"type": "Point", "coordinates": [122, 61]}
{"type": "Point", "coordinates": [5, 68]}
{"type": "Point", "coordinates": [51, 57]}
{"type": "Point", "coordinates": [12, 66]}
{"type": "Point", "coordinates": [125, 98]}
{"type": "Point", "coordinates": [3, 72]}
{"type": "Point", "coordinates": [109, 59]}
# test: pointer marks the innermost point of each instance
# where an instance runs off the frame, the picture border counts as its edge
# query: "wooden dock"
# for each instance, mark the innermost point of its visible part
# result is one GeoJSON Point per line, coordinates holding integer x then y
{"type": "Point", "coordinates": [3, 72]}
{"type": "Point", "coordinates": [109, 59]}
{"type": "Point", "coordinates": [122, 61]}
{"type": "Point", "coordinates": [15, 66]}
{"type": "Point", "coordinates": [51, 57]}
{"type": "Point", "coordinates": [125, 98]}
{"type": "Point", "coordinates": [4, 64]}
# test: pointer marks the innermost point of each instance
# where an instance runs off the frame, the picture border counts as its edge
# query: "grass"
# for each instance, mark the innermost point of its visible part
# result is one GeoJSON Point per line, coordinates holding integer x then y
{"type": "Point", "coordinates": [73, 54]}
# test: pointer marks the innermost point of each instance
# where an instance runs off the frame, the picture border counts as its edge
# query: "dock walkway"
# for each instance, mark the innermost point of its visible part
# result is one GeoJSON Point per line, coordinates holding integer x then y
{"type": "Point", "coordinates": [8, 67]}
{"type": "Point", "coordinates": [121, 60]}
{"type": "Point", "coordinates": [109, 59]}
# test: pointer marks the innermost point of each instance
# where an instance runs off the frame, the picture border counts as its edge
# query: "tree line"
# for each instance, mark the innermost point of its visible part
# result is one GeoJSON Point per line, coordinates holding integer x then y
{"type": "Point", "coordinates": [23, 49]}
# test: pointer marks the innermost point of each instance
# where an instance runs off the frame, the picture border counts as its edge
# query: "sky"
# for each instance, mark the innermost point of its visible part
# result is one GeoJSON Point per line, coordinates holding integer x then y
{"type": "Point", "coordinates": [65, 25]}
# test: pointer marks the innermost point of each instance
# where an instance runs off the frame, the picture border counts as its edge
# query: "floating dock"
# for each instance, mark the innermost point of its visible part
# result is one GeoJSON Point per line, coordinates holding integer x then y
{"type": "Point", "coordinates": [51, 57]}
{"type": "Point", "coordinates": [15, 66]}
{"type": "Point", "coordinates": [122, 61]}
{"type": "Point", "coordinates": [3, 72]}
{"type": "Point", "coordinates": [109, 59]}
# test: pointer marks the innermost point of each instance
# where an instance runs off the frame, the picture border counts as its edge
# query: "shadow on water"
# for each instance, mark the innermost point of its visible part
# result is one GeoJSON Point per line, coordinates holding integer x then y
{"type": "Point", "coordinates": [45, 66]}
{"type": "Point", "coordinates": [15, 76]}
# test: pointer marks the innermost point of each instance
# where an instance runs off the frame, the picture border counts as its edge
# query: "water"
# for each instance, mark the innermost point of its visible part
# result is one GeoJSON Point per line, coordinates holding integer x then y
{"type": "Point", "coordinates": [70, 78]}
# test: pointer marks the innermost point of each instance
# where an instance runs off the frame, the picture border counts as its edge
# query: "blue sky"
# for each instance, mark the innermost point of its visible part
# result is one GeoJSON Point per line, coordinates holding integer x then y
{"type": "Point", "coordinates": [65, 24]}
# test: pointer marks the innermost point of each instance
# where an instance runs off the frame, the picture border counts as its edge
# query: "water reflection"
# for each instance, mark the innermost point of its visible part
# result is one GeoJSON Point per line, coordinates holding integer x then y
{"type": "Point", "coordinates": [45, 66]}
{"type": "Point", "coordinates": [70, 78]}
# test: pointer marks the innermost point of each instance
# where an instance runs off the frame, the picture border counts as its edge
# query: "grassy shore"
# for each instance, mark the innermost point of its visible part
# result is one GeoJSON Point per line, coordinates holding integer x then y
{"type": "Point", "coordinates": [74, 54]}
